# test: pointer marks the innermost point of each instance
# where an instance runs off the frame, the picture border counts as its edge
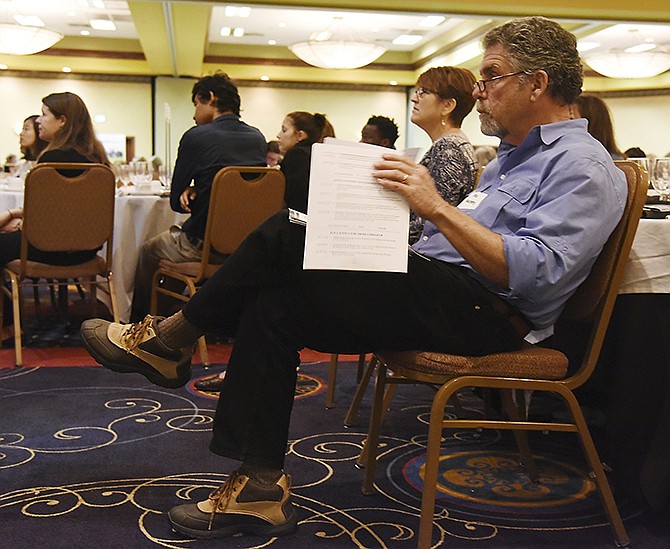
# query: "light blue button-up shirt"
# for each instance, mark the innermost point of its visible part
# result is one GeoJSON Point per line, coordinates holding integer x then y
{"type": "Point", "coordinates": [555, 199]}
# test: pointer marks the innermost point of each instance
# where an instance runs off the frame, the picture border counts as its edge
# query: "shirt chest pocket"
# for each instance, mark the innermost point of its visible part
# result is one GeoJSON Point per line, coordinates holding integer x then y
{"type": "Point", "coordinates": [518, 196]}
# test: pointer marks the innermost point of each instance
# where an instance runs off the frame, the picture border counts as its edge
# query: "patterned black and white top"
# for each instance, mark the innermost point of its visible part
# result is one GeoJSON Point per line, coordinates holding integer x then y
{"type": "Point", "coordinates": [452, 165]}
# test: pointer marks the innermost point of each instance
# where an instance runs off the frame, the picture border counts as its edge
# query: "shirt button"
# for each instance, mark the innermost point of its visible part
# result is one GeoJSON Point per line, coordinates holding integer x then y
{"type": "Point", "coordinates": [502, 176]}
{"type": "Point", "coordinates": [425, 238]}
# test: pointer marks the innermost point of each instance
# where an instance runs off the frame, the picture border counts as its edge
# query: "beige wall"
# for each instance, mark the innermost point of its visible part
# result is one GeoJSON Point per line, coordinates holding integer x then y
{"type": "Point", "coordinates": [126, 107]}
{"type": "Point", "coordinates": [638, 121]}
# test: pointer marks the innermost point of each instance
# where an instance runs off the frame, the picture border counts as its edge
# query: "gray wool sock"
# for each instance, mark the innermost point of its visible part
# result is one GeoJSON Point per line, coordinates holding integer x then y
{"type": "Point", "coordinates": [265, 476]}
{"type": "Point", "coordinates": [176, 332]}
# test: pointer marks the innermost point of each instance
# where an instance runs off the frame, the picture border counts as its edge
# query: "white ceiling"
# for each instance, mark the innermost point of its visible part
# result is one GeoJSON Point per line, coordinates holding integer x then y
{"type": "Point", "coordinates": [283, 25]}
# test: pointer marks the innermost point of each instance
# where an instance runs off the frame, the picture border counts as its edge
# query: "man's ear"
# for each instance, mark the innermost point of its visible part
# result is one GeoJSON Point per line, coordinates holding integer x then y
{"type": "Point", "coordinates": [540, 84]}
{"type": "Point", "coordinates": [212, 99]}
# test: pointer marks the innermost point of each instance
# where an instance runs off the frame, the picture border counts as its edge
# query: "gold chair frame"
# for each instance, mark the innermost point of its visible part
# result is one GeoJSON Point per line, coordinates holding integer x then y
{"type": "Point", "coordinates": [531, 368]}
{"type": "Point", "coordinates": [237, 206]}
{"type": "Point", "coordinates": [63, 214]}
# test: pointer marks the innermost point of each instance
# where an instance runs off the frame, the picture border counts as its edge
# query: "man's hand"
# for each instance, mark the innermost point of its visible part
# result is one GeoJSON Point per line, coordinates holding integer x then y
{"type": "Point", "coordinates": [412, 181]}
{"type": "Point", "coordinates": [186, 197]}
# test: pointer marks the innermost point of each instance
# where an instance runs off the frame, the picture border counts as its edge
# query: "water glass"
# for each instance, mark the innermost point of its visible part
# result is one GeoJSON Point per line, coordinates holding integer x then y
{"type": "Point", "coordinates": [661, 177]}
{"type": "Point", "coordinates": [165, 176]}
{"type": "Point", "coordinates": [123, 171]}
{"type": "Point", "coordinates": [139, 173]}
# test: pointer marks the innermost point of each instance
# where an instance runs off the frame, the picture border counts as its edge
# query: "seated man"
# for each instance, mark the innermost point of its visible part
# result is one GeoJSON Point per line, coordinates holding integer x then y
{"type": "Point", "coordinates": [481, 276]}
{"type": "Point", "coordinates": [380, 130]}
{"type": "Point", "coordinates": [219, 139]}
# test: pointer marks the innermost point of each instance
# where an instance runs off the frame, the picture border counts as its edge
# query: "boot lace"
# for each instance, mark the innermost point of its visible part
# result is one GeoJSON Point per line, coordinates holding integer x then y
{"type": "Point", "coordinates": [136, 333]}
{"type": "Point", "coordinates": [221, 496]}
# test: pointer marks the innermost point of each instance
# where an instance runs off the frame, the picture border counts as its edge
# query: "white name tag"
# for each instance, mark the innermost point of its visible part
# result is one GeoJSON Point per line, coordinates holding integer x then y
{"type": "Point", "coordinates": [473, 200]}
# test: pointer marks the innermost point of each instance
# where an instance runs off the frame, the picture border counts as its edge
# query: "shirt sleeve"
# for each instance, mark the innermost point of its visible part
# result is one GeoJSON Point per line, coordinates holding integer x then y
{"type": "Point", "coordinates": [184, 169]}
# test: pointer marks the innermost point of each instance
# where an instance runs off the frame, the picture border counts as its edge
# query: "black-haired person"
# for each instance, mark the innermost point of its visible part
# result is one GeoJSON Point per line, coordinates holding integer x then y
{"type": "Point", "coordinates": [31, 144]}
{"type": "Point", "coordinates": [299, 131]}
{"type": "Point", "coordinates": [380, 130]}
{"type": "Point", "coordinates": [218, 139]}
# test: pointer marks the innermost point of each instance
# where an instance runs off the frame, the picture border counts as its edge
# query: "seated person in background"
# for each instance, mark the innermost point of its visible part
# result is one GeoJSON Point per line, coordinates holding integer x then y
{"type": "Point", "coordinates": [380, 130]}
{"type": "Point", "coordinates": [634, 152]}
{"type": "Point", "coordinates": [273, 156]}
{"type": "Point", "coordinates": [442, 99]}
{"type": "Point", "coordinates": [65, 124]}
{"type": "Point", "coordinates": [31, 144]}
{"type": "Point", "coordinates": [298, 132]}
{"type": "Point", "coordinates": [598, 115]}
{"type": "Point", "coordinates": [546, 207]}
{"type": "Point", "coordinates": [484, 155]}
{"type": "Point", "coordinates": [219, 139]}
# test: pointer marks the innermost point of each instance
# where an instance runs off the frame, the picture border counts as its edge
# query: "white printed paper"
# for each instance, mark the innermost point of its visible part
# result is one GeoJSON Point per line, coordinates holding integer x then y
{"type": "Point", "coordinates": [353, 223]}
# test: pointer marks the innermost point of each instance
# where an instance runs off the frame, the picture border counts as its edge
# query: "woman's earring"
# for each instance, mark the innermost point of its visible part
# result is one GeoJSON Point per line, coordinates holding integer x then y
{"type": "Point", "coordinates": [443, 122]}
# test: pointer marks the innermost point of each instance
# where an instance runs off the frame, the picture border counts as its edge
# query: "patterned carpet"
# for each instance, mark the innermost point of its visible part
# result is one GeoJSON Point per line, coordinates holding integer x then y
{"type": "Point", "coordinates": [90, 458]}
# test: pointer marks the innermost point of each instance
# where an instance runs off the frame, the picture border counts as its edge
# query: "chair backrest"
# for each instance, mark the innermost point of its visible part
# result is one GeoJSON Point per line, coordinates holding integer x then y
{"type": "Point", "coordinates": [242, 198]}
{"type": "Point", "coordinates": [594, 299]}
{"type": "Point", "coordinates": [65, 214]}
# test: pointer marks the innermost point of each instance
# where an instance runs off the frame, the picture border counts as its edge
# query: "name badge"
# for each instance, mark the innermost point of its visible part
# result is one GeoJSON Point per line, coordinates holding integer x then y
{"type": "Point", "coordinates": [473, 200]}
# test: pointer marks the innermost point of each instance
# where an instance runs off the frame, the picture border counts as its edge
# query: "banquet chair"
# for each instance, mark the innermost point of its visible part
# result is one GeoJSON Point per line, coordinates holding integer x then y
{"type": "Point", "coordinates": [532, 368]}
{"type": "Point", "coordinates": [242, 198]}
{"type": "Point", "coordinates": [62, 214]}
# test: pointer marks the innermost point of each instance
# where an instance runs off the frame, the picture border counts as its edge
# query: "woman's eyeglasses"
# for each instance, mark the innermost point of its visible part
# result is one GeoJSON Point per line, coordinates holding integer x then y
{"type": "Point", "coordinates": [421, 92]}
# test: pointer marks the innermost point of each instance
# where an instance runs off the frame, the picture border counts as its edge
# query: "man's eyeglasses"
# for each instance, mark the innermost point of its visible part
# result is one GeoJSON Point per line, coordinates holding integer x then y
{"type": "Point", "coordinates": [421, 92]}
{"type": "Point", "coordinates": [481, 84]}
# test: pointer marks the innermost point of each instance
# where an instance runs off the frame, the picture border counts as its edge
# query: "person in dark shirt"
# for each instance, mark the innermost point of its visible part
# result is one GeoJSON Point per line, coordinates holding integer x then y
{"type": "Point", "coordinates": [65, 124]}
{"type": "Point", "coordinates": [299, 131]}
{"type": "Point", "coordinates": [219, 139]}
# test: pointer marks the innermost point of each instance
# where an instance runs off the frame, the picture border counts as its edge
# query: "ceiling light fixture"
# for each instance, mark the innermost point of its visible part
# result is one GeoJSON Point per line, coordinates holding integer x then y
{"type": "Point", "coordinates": [635, 58]}
{"type": "Point", "coordinates": [22, 40]}
{"type": "Point", "coordinates": [337, 48]}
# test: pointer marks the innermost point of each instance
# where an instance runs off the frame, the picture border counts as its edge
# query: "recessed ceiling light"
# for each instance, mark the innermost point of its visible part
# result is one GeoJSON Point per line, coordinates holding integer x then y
{"type": "Point", "coordinates": [272, 42]}
{"type": "Point", "coordinates": [3, 67]}
{"type": "Point", "coordinates": [103, 24]}
{"type": "Point", "coordinates": [225, 31]}
{"type": "Point", "coordinates": [265, 78]}
{"type": "Point", "coordinates": [393, 82]}
{"type": "Point", "coordinates": [29, 20]}
{"type": "Point", "coordinates": [237, 11]}
{"type": "Point", "coordinates": [238, 32]}
{"type": "Point", "coordinates": [640, 48]}
{"type": "Point", "coordinates": [84, 32]}
{"type": "Point", "coordinates": [66, 69]}
{"type": "Point", "coordinates": [431, 21]}
{"type": "Point", "coordinates": [584, 45]}
{"type": "Point", "coordinates": [407, 39]}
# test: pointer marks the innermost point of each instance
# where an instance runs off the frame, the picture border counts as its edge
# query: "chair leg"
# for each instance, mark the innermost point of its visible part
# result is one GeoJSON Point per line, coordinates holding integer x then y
{"type": "Point", "coordinates": [361, 366]}
{"type": "Point", "coordinates": [360, 392]}
{"type": "Point", "coordinates": [16, 309]}
{"type": "Point", "coordinates": [597, 471]}
{"type": "Point", "coordinates": [368, 455]}
{"type": "Point", "coordinates": [204, 355]}
{"type": "Point", "coordinates": [514, 410]}
{"type": "Point", "coordinates": [332, 377]}
{"type": "Point", "coordinates": [36, 298]}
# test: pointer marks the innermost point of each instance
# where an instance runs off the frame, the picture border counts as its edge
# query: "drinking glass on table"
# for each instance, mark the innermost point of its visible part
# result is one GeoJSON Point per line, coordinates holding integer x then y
{"type": "Point", "coordinates": [165, 176]}
{"type": "Point", "coordinates": [660, 178]}
{"type": "Point", "coordinates": [124, 174]}
{"type": "Point", "coordinates": [139, 173]}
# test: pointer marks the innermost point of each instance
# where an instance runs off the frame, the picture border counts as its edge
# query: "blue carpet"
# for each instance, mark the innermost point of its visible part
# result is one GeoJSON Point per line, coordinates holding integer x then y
{"type": "Point", "coordinates": [90, 458]}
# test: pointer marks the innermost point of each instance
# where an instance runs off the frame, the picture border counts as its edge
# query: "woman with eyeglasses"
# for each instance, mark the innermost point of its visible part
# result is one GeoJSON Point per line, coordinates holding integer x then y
{"type": "Point", "coordinates": [442, 99]}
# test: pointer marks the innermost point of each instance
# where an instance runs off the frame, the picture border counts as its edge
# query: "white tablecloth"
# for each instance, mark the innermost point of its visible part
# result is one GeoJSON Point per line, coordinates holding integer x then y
{"type": "Point", "coordinates": [648, 269]}
{"type": "Point", "coordinates": [136, 219]}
